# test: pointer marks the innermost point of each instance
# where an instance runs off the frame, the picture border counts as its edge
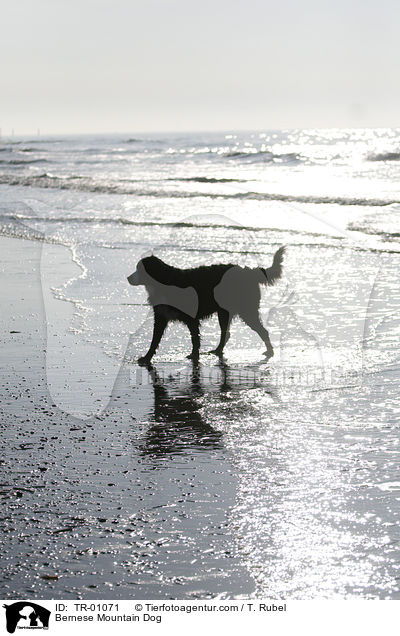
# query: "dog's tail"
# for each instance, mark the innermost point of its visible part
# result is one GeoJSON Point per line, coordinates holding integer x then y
{"type": "Point", "coordinates": [273, 273]}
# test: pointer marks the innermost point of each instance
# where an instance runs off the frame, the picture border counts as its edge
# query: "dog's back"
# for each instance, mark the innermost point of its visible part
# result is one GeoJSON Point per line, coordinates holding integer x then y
{"type": "Point", "coordinates": [204, 280]}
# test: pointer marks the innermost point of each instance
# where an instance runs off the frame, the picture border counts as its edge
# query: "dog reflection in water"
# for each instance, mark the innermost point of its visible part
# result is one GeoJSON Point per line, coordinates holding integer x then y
{"type": "Point", "coordinates": [190, 295]}
{"type": "Point", "coordinates": [179, 426]}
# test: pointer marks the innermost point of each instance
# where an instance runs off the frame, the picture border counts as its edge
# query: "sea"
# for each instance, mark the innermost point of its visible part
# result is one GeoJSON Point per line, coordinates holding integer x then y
{"type": "Point", "coordinates": [241, 477]}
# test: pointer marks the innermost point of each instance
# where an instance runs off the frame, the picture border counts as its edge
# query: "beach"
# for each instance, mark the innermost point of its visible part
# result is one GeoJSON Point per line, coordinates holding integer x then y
{"type": "Point", "coordinates": [239, 478]}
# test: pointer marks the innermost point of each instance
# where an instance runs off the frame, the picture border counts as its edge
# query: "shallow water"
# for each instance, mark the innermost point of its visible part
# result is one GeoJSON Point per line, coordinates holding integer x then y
{"type": "Point", "coordinates": [238, 478]}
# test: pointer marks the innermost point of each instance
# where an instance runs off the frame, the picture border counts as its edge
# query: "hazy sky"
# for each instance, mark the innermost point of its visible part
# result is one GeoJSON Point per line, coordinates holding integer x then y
{"type": "Point", "coordinates": [154, 65]}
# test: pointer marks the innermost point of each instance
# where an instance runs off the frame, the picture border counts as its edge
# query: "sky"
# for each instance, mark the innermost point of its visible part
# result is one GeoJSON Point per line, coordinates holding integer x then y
{"type": "Point", "coordinates": [86, 66]}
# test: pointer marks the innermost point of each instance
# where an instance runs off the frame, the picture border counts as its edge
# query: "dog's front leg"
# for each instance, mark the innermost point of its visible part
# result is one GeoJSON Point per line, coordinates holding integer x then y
{"type": "Point", "coordinates": [160, 323]}
{"type": "Point", "coordinates": [194, 328]}
{"type": "Point", "coordinates": [224, 319]}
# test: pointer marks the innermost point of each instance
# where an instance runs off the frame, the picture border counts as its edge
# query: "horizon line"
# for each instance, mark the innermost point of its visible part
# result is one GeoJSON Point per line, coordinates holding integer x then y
{"type": "Point", "coordinates": [171, 131]}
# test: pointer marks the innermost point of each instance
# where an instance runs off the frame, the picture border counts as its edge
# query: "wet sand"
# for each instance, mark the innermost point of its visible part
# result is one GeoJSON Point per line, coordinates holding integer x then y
{"type": "Point", "coordinates": [222, 480]}
{"type": "Point", "coordinates": [110, 507]}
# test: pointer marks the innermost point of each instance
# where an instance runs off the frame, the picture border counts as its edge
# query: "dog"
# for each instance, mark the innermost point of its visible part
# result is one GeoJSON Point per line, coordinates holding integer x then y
{"type": "Point", "coordinates": [190, 295]}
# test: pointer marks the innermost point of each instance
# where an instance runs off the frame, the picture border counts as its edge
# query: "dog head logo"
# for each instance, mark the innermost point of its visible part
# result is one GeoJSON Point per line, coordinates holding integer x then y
{"type": "Point", "coordinates": [26, 615]}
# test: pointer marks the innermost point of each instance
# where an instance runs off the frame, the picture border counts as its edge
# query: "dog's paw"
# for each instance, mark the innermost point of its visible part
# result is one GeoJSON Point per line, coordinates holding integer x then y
{"type": "Point", "coordinates": [216, 352]}
{"type": "Point", "coordinates": [144, 361]}
{"type": "Point", "coordinates": [268, 354]}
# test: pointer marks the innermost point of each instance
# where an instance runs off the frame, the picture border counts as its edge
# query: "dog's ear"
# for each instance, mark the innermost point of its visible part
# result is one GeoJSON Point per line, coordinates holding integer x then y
{"type": "Point", "coordinates": [156, 269]}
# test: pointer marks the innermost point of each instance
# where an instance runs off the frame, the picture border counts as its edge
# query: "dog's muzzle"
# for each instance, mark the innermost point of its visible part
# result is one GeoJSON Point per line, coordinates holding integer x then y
{"type": "Point", "coordinates": [133, 279]}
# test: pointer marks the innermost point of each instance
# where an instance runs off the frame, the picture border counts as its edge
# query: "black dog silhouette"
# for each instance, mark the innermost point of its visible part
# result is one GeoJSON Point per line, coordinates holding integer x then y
{"type": "Point", "coordinates": [13, 615]}
{"type": "Point", "coordinates": [190, 295]}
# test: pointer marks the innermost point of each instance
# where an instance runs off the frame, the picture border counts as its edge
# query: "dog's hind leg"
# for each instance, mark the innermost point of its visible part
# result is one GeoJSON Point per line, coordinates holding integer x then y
{"type": "Point", "coordinates": [160, 323]}
{"type": "Point", "coordinates": [254, 323]}
{"type": "Point", "coordinates": [194, 328]}
{"type": "Point", "coordinates": [224, 319]}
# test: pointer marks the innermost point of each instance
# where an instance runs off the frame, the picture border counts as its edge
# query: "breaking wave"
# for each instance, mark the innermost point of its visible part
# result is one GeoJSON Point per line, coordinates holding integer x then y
{"type": "Point", "coordinates": [22, 162]}
{"type": "Point", "coordinates": [87, 184]}
{"type": "Point", "coordinates": [384, 156]}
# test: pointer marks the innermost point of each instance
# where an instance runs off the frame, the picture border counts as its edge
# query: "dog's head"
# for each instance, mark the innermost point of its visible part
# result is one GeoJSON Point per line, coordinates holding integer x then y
{"type": "Point", "coordinates": [165, 285]}
{"type": "Point", "coordinates": [138, 277]}
{"type": "Point", "coordinates": [149, 270]}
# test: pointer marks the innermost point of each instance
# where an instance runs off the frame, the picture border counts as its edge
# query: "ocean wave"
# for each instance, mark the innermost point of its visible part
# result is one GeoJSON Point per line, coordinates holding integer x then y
{"type": "Point", "coordinates": [249, 154]}
{"type": "Point", "coordinates": [19, 226]}
{"type": "Point", "coordinates": [369, 230]}
{"type": "Point", "coordinates": [384, 156]}
{"type": "Point", "coordinates": [6, 148]}
{"type": "Point", "coordinates": [265, 156]}
{"type": "Point", "coordinates": [84, 184]}
{"type": "Point", "coordinates": [12, 227]}
{"type": "Point", "coordinates": [22, 162]}
{"type": "Point", "coordinates": [208, 179]}
{"type": "Point", "coordinates": [107, 220]}
{"type": "Point", "coordinates": [34, 141]}
{"type": "Point", "coordinates": [15, 228]}
{"type": "Point", "coordinates": [137, 140]}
